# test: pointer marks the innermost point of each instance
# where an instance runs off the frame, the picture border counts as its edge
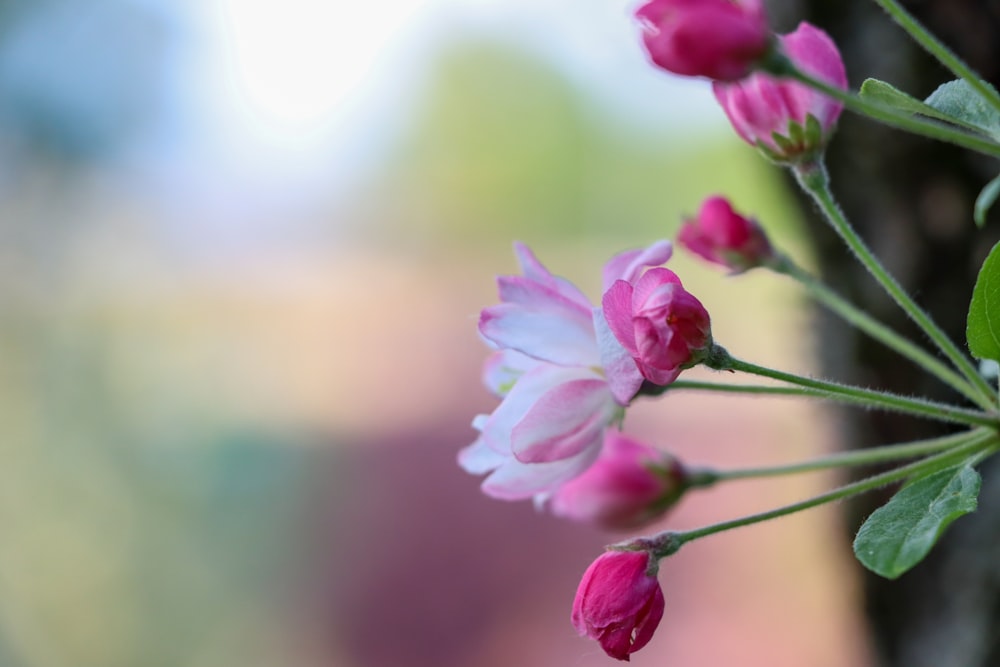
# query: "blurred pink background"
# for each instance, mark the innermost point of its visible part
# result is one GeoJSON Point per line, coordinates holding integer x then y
{"type": "Point", "coordinates": [243, 247]}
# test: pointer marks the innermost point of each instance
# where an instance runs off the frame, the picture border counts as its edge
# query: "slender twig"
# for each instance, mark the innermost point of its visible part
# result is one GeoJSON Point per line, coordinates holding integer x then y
{"type": "Point", "coordinates": [813, 179]}
{"type": "Point", "coordinates": [699, 477]}
{"type": "Point", "coordinates": [879, 331]}
{"type": "Point", "coordinates": [722, 360]}
{"type": "Point", "coordinates": [666, 543]}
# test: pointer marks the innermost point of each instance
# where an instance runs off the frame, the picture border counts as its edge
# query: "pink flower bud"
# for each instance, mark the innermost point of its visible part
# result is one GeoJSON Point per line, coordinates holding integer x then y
{"type": "Point", "coordinates": [662, 325]}
{"type": "Point", "coordinates": [723, 236]}
{"type": "Point", "coordinates": [630, 484]}
{"type": "Point", "coordinates": [619, 602]}
{"type": "Point", "coordinates": [774, 113]}
{"type": "Point", "coordinates": [718, 39]}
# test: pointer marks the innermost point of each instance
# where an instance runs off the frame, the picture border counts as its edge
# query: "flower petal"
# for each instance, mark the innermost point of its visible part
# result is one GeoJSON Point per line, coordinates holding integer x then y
{"type": "Point", "coordinates": [623, 376]}
{"type": "Point", "coordinates": [653, 283]}
{"type": "Point", "coordinates": [649, 618]}
{"type": "Point", "coordinates": [564, 421]}
{"type": "Point", "coordinates": [627, 265]}
{"type": "Point", "coordinates": [503, 369]}
{"type": "Point", "coordinates": [498, 427]}
{"type": "Point", "coordinates": [535, 271]}
{"type": "Point", "coordinates": [478, 458]}
{"type": "Point", "coordinates": [515, 480]}
{"type": "Point", "coordinates": [549, 334]}
{"type": "Point", "coordinates": [617, 307]}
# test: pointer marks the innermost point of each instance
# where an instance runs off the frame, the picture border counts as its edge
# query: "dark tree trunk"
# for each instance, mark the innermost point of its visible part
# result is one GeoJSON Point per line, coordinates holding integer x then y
{"type": "Point", "coordinates": [912, 199]}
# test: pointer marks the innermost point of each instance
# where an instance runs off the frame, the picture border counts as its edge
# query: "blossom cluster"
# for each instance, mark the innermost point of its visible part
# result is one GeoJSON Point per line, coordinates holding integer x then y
{"type": "Point", "coordinates": [565, 369]}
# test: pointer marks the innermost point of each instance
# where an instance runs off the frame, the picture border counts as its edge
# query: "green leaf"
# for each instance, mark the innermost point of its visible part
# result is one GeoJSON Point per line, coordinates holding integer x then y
{"type": "Point", "coordinates": [786, 144]}
{"type": "Point", "coordinates": [982, 329]}
{"type": "Point", "coordinates": [883, 93]}
{"type": "Point", "coordinates": [959, 100]}
{"type": "Point", "coordinates": [814, 131]}
{"type": "Point", "coordinates": [985, 200]}
{"type": "Point", "coordinates": [899, 534]}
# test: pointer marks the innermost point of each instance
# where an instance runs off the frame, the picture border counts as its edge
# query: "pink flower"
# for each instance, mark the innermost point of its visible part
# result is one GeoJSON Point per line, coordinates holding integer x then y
{"type": "Point", "coordinates": [762, 106]}
{"type": "Point", "coordinates": [550, 373]}
{"type": "Point", "coordinates": [723, 236]}
{"type": "Point", "coordinates": [718, 39]}
{"type": "Point", "coordinates": [629, 485]}
{"type": "Point", "coordinates": [619, 602]}
{"type": "Point", "coordinates": [660, 324]}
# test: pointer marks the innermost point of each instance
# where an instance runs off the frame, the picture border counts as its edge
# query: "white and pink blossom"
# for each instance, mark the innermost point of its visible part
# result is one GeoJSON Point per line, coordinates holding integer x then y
{"type": "Point", "coordinates": [552, 377]}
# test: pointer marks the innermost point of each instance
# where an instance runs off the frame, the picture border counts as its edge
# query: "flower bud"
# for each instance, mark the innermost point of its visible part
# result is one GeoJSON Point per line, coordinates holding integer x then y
{"type": "Point", "coordinates": [619, 602]}
{"type": "Point", "coordinates": [789, 121]}
{"type": "Point", "coordinates": [718, 39]}
{"type": "Point", "coordinates": [662, 325]}
{"type": "Point", "coordinates": [723, 236]}
{"type": "Point", "coordinates": [629, 485]}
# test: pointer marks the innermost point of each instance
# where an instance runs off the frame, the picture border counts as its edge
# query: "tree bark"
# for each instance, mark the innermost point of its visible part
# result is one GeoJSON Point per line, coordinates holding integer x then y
{"type": "Point", "coordinates": [912, 200]}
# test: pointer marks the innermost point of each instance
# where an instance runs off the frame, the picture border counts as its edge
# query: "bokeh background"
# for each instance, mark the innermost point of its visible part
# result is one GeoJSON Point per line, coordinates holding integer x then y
{"type": "Point", "coordinates": [243, 246]}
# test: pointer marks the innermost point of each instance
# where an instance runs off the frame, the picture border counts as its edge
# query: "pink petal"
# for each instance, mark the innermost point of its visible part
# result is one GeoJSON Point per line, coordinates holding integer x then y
{"type": "Point", "coordinates": [534, 384]}
{"type": "Point", "coordinates": [649, 620]}
{"type": "Point", "coordinates": [627, 265]}
{"type": "Point", "coordinates": [504, 368]}
{"type": "Point", "coordinates": [531, 293]}
{"type": "Point", "coordinates": [617, 306]}
{"type": "Point", "coordinates": [563, 422]}
{"type": "Point", "coordinates": [545, 334]}
{"type": "Point", "coordinates": [652, 282]}
{"type": "Point", "coordinates": [535, 271]}
{"type": "Point", "coordinates": [478, 458]}
{"type": "Point", "coordinates": [624, 378]}
{"type": "Point", "coordinates": [515, 480]}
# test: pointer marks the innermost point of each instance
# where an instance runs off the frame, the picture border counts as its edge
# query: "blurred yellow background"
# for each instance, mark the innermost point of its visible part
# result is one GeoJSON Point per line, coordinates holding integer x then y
{"type": "Point", "coordinates": [243, 247]}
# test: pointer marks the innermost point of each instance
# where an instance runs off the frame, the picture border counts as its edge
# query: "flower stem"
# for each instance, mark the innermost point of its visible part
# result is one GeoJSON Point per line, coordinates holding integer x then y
{"type": "Point", "coordinates": [945, 56]}
{"type": "Point", "coordinates": [862, 457]}
{"type": "Point", "coordinates": [721, 360]}
{"type": "Point", "coordinates": [889, 116]}
{"type": "Point", "coordinates": [732, 388]}
{"type": "Point", "coordinates": [813, 179]}
{"type": "Point", "coordinates": [880, 332]}
{"type": "Point", "coordinates": [671, 541]}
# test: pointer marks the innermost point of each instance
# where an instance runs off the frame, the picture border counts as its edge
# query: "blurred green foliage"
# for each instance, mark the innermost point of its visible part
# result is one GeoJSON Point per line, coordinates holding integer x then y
{"type": "Point", "coordinates": [129, 540]}
{"type": "Point", "coordinates": [504, 146]}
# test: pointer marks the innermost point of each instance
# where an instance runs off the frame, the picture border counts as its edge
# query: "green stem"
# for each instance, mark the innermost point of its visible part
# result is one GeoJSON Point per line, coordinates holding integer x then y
{"type": "Point", "coordinates": [721, 360]}
{"type": "Point", "coordinates": [812, 392]}
{"type": "Point", "coordinates": [924, 127]}
{"type": "Point", "coordinates": [813, 179]}
{"type": "Point", "coordinates": [861, 457]}
{"type": "Point", "coordinates": [667, 543]}
{"type": "Point", "coordinates": [732, 388]}
{"type": "Point", "coordinates": [866, 323]}
{"type": "Point", "coordinates": [933, 46]}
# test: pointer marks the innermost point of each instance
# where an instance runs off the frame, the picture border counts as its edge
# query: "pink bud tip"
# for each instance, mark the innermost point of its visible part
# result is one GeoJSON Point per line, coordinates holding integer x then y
{"type": "Point", "coordinates": [718, 39]}
{"type": "Point", "coordinates": [619, 602]}
{"type": "Point", "coordinates": [722, 236]}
